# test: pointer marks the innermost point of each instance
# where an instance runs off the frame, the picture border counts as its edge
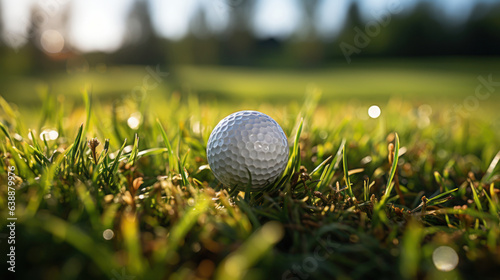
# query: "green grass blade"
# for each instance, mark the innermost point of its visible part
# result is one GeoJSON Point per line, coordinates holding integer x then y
{"type": "Point", "coordinates": [39, 155]}
{"type": "Point", "coordinates": [145, 153]}
{"type": "Point", "coordinates": [441, 195]}
{"type": "Point", "coordinates": [135, 150]}
{"type": "Point", "coordinates": [243, 205]}
{"type": "Point", "coordinates": [492, 206]}
{"type": "Point", "coordinates": [87, 98]}
{"type": "Point", "coordinates": [130, 231]}
{"type": "Point", "coordinates": [439, 180]}
{"type": "Point", "coordinates": [411, 252]}
{"type": "Point", "coordinates": [5, 131]}
{"type": "Point", "coordinates": [171, 156]}
{"type": "Point", "coordinates": [236, 265]}
{"type": "Point", "coordinates": [436, 200]}
{"type": "Point", "coordinates": [293, 163]}
{"type": "Point", "coordinates": [89, 205]}
{"type": "Point", "coordinates": [328, 172]}
{"type": "Point", "coordinates": [491, 168]}
{"type": "Point", "coordinates": [7, 109]}
{"type": "Point", "coordinates": [469, 211]}
{"type": "Point", "coordinates": [317, 168]}
{"type": "Point", "coordinates": [114, 166]}
{"type": "Point", "coordinates": [379, 208]}
{"type": "Point", "coordinates": [392, 172]}
{"type": "Point", "coordinates": [47, 148]}
{"type": "Point", "coordinates": [186, 222]}
{"type": "Point", "coordinates": [346, 173]}
{"type": "Point", "coordinates": [182, 171]}
{"type": "Point", "coordinates": [115, 122]}
{"type": "Point", "coordinates": [475, 197]}
{"type": "Point", "coordinates": [76, 143]}
{"type": "Point", "coordinates": [294, 159]}
{"type": "Point", "coordinates": [34, 140]}
{"type": "Point", "coordinates": [73, 235]}
{"type": "Point", "coordinates": [105, 151]}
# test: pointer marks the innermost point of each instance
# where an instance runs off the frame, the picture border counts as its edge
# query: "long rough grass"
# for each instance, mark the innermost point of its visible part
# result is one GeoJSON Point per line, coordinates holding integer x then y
{"type": "Point", "coordinates": [360, 198]}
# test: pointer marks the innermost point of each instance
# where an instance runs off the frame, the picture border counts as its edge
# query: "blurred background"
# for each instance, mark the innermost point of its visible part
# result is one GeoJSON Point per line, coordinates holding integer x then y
{"type": "Point", "coordinates": [247, 49]}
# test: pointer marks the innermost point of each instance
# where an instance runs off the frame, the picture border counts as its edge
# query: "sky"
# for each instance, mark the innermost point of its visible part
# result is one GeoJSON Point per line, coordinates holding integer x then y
{"type": "Point", "coordinates": [98, 25]}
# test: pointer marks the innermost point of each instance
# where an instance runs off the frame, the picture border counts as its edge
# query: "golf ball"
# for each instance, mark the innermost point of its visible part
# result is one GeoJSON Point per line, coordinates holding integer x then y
{"type": "Point", "coordinates": [244, 144]}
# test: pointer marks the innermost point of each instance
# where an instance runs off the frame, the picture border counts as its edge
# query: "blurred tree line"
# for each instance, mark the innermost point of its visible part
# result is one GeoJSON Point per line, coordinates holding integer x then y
{"type": "Point", "coordinates": [417, 33]}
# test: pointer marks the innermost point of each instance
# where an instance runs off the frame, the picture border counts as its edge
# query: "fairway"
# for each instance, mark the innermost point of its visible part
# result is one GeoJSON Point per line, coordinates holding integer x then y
{"type": "Point", "coordinates": [414, 79]}
{"type": "Point", "coordinates": [372, 80]}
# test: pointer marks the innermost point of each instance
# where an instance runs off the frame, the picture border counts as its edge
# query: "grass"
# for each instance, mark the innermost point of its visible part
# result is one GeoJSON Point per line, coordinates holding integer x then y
{"type": "Point", "coordinates": [107, 199]}
{"type": "Point", "coordinates": [415, 79]}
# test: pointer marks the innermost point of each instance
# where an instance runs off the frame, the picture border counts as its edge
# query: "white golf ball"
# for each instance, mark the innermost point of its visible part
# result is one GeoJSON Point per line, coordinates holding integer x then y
{"type": "Point", "coordinates": [247, 142]}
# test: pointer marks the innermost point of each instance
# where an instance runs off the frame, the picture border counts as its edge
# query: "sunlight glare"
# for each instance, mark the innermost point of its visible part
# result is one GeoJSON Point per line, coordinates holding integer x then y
{"type": "Point", "coordinates": [374, 111]}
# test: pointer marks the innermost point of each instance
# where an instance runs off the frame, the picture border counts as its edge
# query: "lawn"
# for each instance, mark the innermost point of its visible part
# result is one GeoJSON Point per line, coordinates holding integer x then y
{"type": "Point", "coordinates": [412, 194]}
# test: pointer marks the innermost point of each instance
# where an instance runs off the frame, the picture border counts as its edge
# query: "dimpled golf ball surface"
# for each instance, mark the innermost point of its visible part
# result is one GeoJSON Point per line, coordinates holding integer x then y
{"type": "Point", "coordinates": [247, 141]}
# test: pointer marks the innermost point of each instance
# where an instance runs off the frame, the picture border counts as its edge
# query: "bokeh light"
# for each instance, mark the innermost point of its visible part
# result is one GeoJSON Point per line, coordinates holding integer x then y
{"type": "Point", "coordinates": [445, 258]}
{"type": "Point", "coordinates": [134, 120]}
{"type": "Point", "coordinates": [108, 234]}
{"type": "Point", "coordinates": [49, 134]}
{"type": "Point", "coordinates": [374, 111]}
{"type": "Point", "coordinates": [52, 41]}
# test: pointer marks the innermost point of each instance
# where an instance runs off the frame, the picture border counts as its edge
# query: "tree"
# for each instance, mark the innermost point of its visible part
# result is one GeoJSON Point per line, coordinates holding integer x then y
{"type": "Point", "coordinates": [141, 45]}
